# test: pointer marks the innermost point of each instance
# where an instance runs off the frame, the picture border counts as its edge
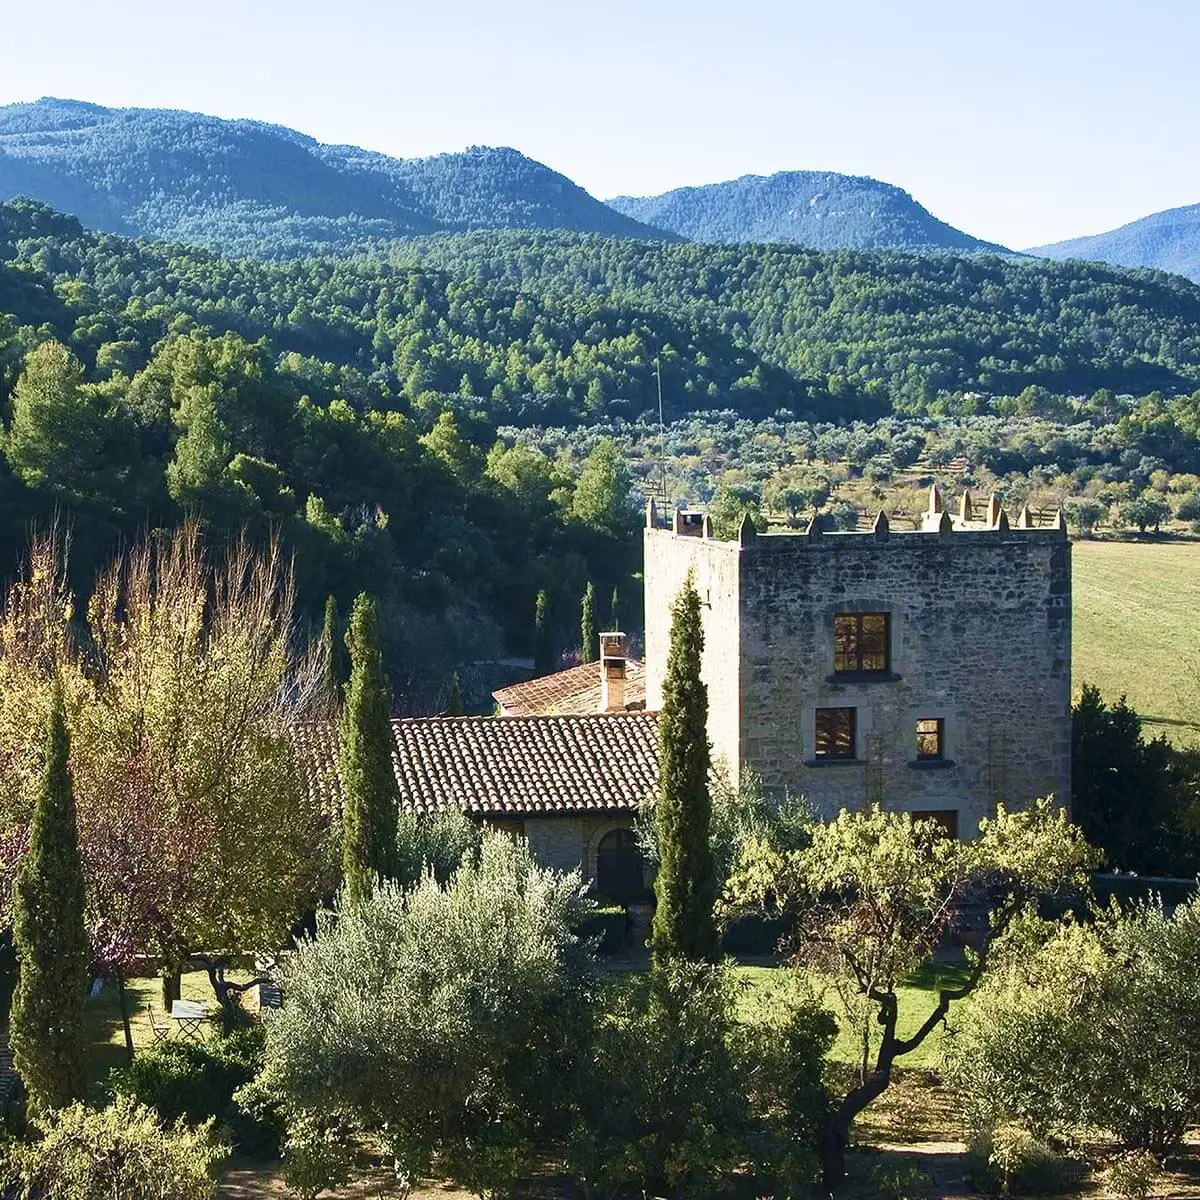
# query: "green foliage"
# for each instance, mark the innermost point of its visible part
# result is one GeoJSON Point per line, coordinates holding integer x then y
{"type": "Point", "coordinates": [589, 637]}
{"type": "Point", "coordinates": [120, 1151]}
{"type": "Point", "coordinates": [332, 655]}
{"type": "Point", "coordinates": [447, 1022]}
{"type": "Point", "coordinates": [674, 1115]}
{"type": "Point", "coordinates": [46, 1022]}
{"type": "Point", "coordinates": [685, 886]}
{"type": "Point", "coordinates": [1133, 798]}
{"type": "Point", "coordinates": [370, 797]}
{"type": "Point", "coordinates": [545, 657]}
{"type": "Point", "coordinates": [1132, 1175]}
{"type": "Point", "coordinates": [198, 1082]}
{"type": "Point", "coordinates": [1089, 1026]}
{"type": "Point", "coordinates": [1008, 1161]}
{"type": "Point", "coordinates": [902, 1181]}
{"type": "Point", "coordinates": [454, 702]}
{"type": "Point", "coordinates": [440, 844]}
{"type": "Point", "coordinates": [601, 499]}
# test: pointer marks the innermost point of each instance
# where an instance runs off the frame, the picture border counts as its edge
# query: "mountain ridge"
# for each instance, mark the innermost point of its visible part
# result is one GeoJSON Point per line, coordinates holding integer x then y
{"type": "Point", "coordinates": [1167, 241]}
{"type": "Point", "coordinates": [820, 210]}
{"type": "Point", "coordinates": [249, 186]}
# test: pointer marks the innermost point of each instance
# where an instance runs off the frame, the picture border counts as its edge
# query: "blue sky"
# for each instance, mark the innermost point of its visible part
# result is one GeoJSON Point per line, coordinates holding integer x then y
{"type": "Point", "coordinates": [1020, 122]}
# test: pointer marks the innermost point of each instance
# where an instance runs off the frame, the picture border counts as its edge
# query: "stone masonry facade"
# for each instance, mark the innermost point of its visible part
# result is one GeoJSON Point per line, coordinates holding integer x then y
{"type": "Point", "coordinates": [978, 651]}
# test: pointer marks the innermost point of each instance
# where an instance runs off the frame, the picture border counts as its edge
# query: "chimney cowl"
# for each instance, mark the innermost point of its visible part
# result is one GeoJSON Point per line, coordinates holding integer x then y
{"type": "Point", "coordinates": [613, 650]}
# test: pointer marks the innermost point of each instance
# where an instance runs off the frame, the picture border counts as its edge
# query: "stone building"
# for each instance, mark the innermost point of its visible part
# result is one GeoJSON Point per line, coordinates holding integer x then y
{"type": "Point", "coordinates": [928, 670]}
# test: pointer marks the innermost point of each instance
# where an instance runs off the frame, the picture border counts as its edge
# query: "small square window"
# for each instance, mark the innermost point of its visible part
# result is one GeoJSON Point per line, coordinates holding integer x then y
{"type": "Point", "coordinates": [835, 728]}
{"type": "Point", "coordinates": [931, 739]}
{"type": "Point", "coordinates": [862, 643]}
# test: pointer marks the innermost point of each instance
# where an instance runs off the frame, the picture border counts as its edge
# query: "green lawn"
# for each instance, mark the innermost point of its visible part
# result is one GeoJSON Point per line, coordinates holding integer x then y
{"type": "Point", "coordinates": [916, 1001]}
{"type": "Point", "coordinates": [103, 1016]}
{"type": "Point", "coordinates": [1136, 618]}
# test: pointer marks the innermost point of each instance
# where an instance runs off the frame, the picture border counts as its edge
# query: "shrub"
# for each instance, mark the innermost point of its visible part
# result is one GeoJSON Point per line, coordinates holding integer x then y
{"type": "Point", "coordinates": [606, 927]}
{"type": "Point", "coordinates": [663, 1102]}
{"type": "Point", "coordinates": [440, 844]}
{"type": "Point", "coordinates": [1099, 1027]}
{"type": "Point", "coordinates": [201, 1081]}
{"type": "Point", "coordinates": [443, 1020]}
{"type": "Point", "coordinates": [901, 1181]}
{"type": "Point", "coordinates": [120, 1151]}
{"type": "Point", "coordinates": [1007, 1160]}
{"type": "Point", "coordinates": [1131, 1175]}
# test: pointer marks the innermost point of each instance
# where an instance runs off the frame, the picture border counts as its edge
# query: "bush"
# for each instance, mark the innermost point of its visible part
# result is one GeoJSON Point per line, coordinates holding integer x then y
{"type": "Point", "coordinates": [121, 1151]}
{"type": "Point", "coordinates": [440, 844]}
{"type": "Point", "coordinates": [605, 926]}
{"type": "Point", "coordinates": [1132, 1175]}
{"type": "Point", "coordinates": [754, 933]}
{"type": "Point", "coordinates": [901, 1181]}
{"type": "Point", "coordinates": [445, 1021]}
{"type": "Point", "coordinates": [663, 1102]}
{"type": "Point", "coordinates": [1008, 1160]}
{"type": "Point", "coordinates": [201, 1081]}
{"type": "Point", "coordinates": [1097, 1027]}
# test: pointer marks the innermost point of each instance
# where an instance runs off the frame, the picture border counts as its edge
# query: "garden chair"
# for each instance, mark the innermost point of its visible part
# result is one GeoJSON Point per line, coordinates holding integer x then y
{"type": "Point", "coordinates": [159, 1032]}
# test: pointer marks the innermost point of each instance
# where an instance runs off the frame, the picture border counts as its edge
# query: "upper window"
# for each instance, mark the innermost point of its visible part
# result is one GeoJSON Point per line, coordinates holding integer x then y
{"type": "Point", "coordinates": [835, 729]}
{"type": "Point", "coordinates": [862, 643]}
{"type": "Point", "coordinates": [931, 739]}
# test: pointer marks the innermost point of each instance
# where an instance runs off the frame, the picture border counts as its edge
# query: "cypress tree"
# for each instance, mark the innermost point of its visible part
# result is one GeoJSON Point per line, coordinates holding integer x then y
{"type": "Point", "coordinates": [370, 795]}
{"type": "Point", "coordinates": [543, 638]}
{"type": "Point", "coordinates": [614, 611]}
{"type": "Point", "coordinates": [454, 706]}
{"type": "Point", "coordinates": [46, 1021]}
{"type": "Point", "coordinates": [334, 675]}
{"type": "Point", "coordinates": [685, 887]}
{"type": "Point", "coordinates": [587, 625]}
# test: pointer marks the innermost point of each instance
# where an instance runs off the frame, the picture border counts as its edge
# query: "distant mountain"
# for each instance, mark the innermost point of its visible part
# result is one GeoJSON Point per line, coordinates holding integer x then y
{"type": "Point", "coordinates": [821, 210]}
{"type": "Point", "coordinates": [250, 187]}
{"type": "Point", "coordinates": [1167, 240]}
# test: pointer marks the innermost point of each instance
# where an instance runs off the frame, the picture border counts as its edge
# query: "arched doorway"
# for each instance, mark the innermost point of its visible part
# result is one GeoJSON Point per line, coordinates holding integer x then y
{"type": "Point", "coordinates": [619, 866]}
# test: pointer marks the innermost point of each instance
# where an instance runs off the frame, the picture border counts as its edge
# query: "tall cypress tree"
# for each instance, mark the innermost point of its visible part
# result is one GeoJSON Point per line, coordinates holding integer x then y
{"type": "Point", "coordinates": [543, 637]}
{"type": "Point", "coordinates": [686, 885]}
{"type": "Point", "coordinates": [46, 1022]}
{"type": "Point", "coordinates": [587, 625]}
{"type": "Point", "coordinates": [370, 796]}
{"type": "Point", "coordinates": [614, 611]}
{"type": "Point", "coordinates": [334, 674]}
{"type": "Point", "coordinates": [454, 705]}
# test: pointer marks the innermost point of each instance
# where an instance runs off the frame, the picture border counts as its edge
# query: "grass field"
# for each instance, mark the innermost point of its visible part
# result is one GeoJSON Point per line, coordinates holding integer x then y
{"type": "Point", "coordinates": [1136, 621]}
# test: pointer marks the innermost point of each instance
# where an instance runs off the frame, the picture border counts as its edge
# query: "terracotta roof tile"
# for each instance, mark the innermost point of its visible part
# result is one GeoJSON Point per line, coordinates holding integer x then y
{"type": "Point", "coordinates": [507, 766]}
{"type": "Point", "coordinates": [573, 692]}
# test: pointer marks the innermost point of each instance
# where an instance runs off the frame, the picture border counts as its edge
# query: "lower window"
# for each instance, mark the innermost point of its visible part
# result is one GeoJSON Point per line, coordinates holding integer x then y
{"type": "Point", "coordinates": [835, 729]}
{"type": "Point", "coordinates": [931, 739]}
{"type": "Point", "coordinates": [946, 818]}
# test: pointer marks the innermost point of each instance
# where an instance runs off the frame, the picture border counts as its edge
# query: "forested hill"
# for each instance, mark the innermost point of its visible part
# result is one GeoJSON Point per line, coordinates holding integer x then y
{"type": "Point", "coordinates": [895, 328]}
{"type": "Point", "coordinates": [821, 210]}
{"type": "Point", "coordinates": [1167, 240]}
{"type": "Point", "coordinates": [251, 188]}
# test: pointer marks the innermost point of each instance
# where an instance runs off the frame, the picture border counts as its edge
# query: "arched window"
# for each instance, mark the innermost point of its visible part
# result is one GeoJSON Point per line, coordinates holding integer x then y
{"type": "Point", "coordinates": [619, 866]}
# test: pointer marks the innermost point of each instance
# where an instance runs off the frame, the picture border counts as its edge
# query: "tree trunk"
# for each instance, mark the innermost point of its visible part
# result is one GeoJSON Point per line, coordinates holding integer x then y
{"type": "Point", "coordinates": [835, 1137]}
{"type": "Point", "coordinates": [171, 984]}
{"type": "Point", "coordinates": [124, 1015]}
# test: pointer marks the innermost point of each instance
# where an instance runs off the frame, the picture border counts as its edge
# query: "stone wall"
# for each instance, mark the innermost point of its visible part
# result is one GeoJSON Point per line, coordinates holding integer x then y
{"type": "Point", "coordinates": [981, 638]}
{"type": "Point", "coordinates": [715, 566]}
{"type": "Point", "coordinates": [568, 842]}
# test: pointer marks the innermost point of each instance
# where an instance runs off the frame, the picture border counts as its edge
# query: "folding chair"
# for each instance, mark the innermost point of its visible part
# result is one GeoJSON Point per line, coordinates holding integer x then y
{"type": "Point", "coordinates": [159, 1032]}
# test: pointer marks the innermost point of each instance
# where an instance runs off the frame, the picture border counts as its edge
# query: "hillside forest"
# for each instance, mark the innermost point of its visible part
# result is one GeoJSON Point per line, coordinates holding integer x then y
{"type": "Point", "coordinates": [475, 420]}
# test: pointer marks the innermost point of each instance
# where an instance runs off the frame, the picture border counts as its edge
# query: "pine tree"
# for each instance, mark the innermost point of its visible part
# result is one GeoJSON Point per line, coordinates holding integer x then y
{"type": "Point", "coordinates": [543, 639]}
{"type": "Point", "coordinates": [614, 611]}
{"type": "Point", "coordinates": [331, 649]}
{"type": "Point", "coordinates": [685, 887]}
{"type": "Point", "coordinates": [370, 795]}
{"type": "Point", "coordinates": [46, 1022]}
{"type": "Point", "coordinates": [454, 706]}
{"type": "Point", "coordinates": [587, 625]}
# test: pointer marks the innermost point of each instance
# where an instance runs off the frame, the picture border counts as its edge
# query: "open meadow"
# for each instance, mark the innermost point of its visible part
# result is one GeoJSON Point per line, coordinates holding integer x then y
{"type": "Point", "coordinates": [1135, 629]}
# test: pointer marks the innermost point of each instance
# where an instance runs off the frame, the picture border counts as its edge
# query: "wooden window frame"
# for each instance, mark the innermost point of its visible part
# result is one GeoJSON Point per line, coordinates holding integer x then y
{"type": "Point", "coordinates": [939, 731]}
{"type": "Point", "coordinates": [832, 752]}
{"type": "Point", "coordinates": [852, 665]}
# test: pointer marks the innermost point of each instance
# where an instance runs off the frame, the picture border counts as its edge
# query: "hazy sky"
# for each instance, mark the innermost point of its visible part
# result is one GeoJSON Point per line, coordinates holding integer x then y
{"type": "Point", "coordinates": [1020, 122]}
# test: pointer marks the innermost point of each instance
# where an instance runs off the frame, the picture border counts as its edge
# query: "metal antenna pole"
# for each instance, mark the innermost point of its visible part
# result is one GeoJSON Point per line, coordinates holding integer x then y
{"type": "Point", "coordinates": [662, 430]}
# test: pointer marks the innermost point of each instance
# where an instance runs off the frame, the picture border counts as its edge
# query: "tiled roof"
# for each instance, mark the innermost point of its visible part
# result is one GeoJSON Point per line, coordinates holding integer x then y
{"type": "Point", "coordinates": [509, 766]}
{"type": "Point", "coordinates": [573, 692]}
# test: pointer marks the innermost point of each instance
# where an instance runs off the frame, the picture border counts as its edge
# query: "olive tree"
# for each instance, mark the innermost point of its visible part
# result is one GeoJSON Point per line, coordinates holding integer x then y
{"type": "Point", "coordinates": [443, 1020]}
{"type": "Point", "coordinates": [876, 893]}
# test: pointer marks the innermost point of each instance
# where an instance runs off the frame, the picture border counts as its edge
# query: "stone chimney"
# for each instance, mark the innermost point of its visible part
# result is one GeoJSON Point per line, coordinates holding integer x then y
{"type": "Point", "coordinates": [612, 672]}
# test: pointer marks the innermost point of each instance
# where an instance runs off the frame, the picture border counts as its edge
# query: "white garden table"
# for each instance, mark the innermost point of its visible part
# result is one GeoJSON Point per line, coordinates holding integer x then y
{"type": "Point", "coordinates": [190, 1017]}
